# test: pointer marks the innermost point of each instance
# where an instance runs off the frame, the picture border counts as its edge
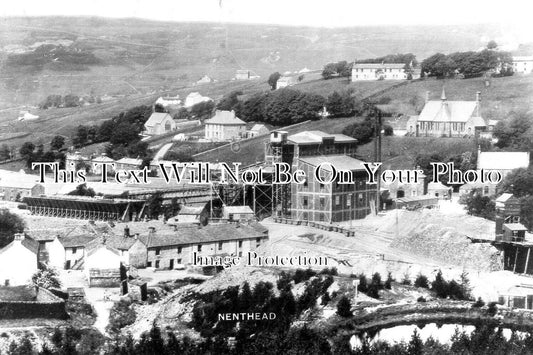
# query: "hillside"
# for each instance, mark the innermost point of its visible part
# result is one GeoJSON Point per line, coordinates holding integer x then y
{"type": "Point", "coordinates": [127, 56]}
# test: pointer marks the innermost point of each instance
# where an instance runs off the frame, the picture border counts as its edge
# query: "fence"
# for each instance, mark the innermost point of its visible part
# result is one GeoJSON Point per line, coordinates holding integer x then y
{"type": "Point", "coordinates": [326, 227]}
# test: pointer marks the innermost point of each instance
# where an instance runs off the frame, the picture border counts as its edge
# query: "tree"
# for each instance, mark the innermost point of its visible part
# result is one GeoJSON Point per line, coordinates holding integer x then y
{"type": "Point", "coordinates": [71, 101]}
{"type": "Point", "coordinates": [481, 206]}
{"type": "Point", "coordinates": [344, 307]}
{"type": "Point", "coordinates": [440, 286]}
{"type": "Point", "coordinates": [421, 281]}
{"type": "Point", "coordinates": [388, 130]}
{"type": "Point", "coordinates": [388, 282]}
{"type": "Point", "coordinates": [340, 104]}
{"type": "Point", "coordinates": [492, 45]}
{"type": "Point", "coordinates": [515, 133]}
{"type": "Point", "coordinates": [362, 131]}
{"type": "Point", "coordinates": [46, 277]}
{"type": "Point", "coordinates": [416, 345]}
{"type": "Point", "coordinates": [83, 190]}
{"type": "Point", "coordinates": [27, 152]}
{"type": "Point", "coordinates": [5, 152]}
{"type": "Point", "coordinates": [57, 142]}
{"type": "Point", "coordinates": [10, 224]}
{"type": "Point", "coordinates": [273, 80]}
{"type": "Point", "coordinates": [230, 101]}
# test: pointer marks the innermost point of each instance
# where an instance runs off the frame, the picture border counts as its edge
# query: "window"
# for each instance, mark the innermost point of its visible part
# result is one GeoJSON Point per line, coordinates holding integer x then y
{"type": "Point", "coordinates": [257, 242]}
{"type": "Point", "coordinates": [240, 254]}
{"type": "Point", "coordinates": [349, 200]}
{"type": "Point", "coordinates": [149, 264]}
{"type": "Point", "coordinates": [179, 250]}
{"type": "Point", "coordinates": [74, 250]}
{"type": "Point", "coordinates": [199, 248]}
{"type": "Point", "coordinates": [305, 183]}
{"type": "Point", "coordinates": [157, 264]}
{"type": "Point", "coordinates": [220, 244]}
{"type": "Point", "coordinates": [157, 251]}
{"type": "Point", "coordinates": [321, 217]}
{"type": "Point", "coordinates": [322, 202]}
{"type": "Point", "coordinates": [337, 200]}
{"type": "Point", "coordinates": [321, 187]}
{"type": "Point", "coordinates": [179, 261]}
{"type": "Point", "coordinates": [360, 197]}
{"type": "Point", "coordinates": [240, 243]}
{"type": "Point", "coordinates": [305, 201]}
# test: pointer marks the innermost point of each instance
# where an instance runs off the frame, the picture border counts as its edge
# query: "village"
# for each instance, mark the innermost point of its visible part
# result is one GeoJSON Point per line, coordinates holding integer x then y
{"type": "Point", "coordinates": [168, 213]}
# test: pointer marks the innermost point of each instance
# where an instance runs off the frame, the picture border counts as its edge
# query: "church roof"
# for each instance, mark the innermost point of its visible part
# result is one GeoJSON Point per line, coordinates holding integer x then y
{"type": "Point", "coordinates": [156, 118]}
{"type": "Point", "coordinates": [448, 111]}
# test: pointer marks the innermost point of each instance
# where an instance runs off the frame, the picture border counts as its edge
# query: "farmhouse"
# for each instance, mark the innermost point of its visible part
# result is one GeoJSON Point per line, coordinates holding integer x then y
{"type": "Point", "coordinates": [376, 71]}
{"type": "Point", "coordinates": [224, 126]}
{"type": "Point", "coordinates": [523, 64]}
{"type": "Point", "coordinates": [159, 123]}
{"type": "Point", "coordinates": [18, 261]}
{"type": "Point", "coordinates": [445, 118]}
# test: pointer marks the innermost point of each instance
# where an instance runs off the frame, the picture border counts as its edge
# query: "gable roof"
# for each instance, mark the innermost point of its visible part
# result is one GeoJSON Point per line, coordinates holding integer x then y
{"type": "Point", "coordinates": [504, 197]}
{"type": "Point", "coordinates": [28, 243]}
{"type": "Point", "coordinates": [448, 111]}
{"type": "Point", "coordinates": [157, 118]}
{"type": "Point", "coordinates": [196, 235]}
{"type": "Point", "coordinates": [502, 160]}
{"type": "Point", "coordinates": [225, 118]}
{"type": "Point", "coordinates": [379, 65]}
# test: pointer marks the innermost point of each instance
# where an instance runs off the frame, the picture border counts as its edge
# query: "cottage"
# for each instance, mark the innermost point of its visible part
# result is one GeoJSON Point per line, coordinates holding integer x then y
{"type": "Point", "coordinates": [224, 126]}
{"type": "Point", "coordinates": [102, 266]}
{"type": "Point", "coordinates": [159, 123]}
{"type": "Point", "coordinates": [439, 190]}
{"type": "Point", "coordinates": [14, 186]}
{"type": "Point", "coordinates": [448, 118]}
{"type": "Point", "coordinates": [128, 164]}
{"type": "Point", "coordinates": [238, 213]}
{"type": "Point", "coordinates": [131, 250]}
{"type": "Point", "coordinates": [242, 74]}
{"type": "Point", "coordinates": [173, 249]}
{"type": "Point", "coordinates": [523, 64]}
{"type": "Point", "coordinates": [18, 261]}
{"type": "Point", "coordinates": [257, 130]}
{"type": "Point", "coordinates": [286, 81]}
{"type": "Point", "coordinates": [168, 101]}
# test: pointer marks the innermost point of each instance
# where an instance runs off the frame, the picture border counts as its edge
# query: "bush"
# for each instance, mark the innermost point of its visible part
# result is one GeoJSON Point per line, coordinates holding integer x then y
{"type": "Point", "coordinates": [344, 307]}
{"type": "Point", "coordinates": [479, 303]}
{"type": "Point", "coordinates": [421, 281]}
{"type": "Point", "coordinates": [121, 315]}
{"type": "Point", "coordinates": [493, 308]}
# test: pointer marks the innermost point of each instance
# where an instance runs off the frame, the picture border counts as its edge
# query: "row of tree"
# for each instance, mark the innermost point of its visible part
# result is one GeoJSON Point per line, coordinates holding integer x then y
{"type": "Point", "coordinates": [469, 64]}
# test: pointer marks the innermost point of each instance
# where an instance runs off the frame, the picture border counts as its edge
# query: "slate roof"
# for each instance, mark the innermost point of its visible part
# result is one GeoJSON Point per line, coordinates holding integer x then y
{"type": "Point", "coordinates": [225, 118]}
{"type": "Point", "coordinates": [195, 235]}
{"type": "Point", "coordinates": [317, 137]}
{"type": "Point", "coordinates": [515, 226]}
{"type": "Point", "coordinates": [30, 244]}
{"type": "Point", "coordinates": [379, 65]}
{"type": "Point", "coordinates": [156, 118]}
{"type": "Point", "coordinates": [502, 160]}
{"type": "Point", "coordinates": [504, 197]}
{"type": "Point", "coordinates": [448, 111]}
{"type": "Point", "coordinates": [340, 162]}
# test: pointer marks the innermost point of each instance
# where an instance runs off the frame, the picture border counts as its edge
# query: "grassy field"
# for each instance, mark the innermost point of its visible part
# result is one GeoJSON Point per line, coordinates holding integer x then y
{"type": "Point", "coordinates": [498, 100]}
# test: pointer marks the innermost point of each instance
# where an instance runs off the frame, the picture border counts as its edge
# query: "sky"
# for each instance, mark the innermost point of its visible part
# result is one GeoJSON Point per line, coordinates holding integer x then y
{"type": "Point", "coordinates": [323, 13]}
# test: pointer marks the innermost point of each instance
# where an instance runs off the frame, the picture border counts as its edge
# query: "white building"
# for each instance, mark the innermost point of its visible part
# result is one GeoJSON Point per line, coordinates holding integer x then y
{"type": "Point", "coordinates": [224, 126]}
{"type": "Point", "coordinates": [523, 64]}
{"type": "Point", "coordinates": [504, 162]}
{"type": "Point", "coordinates": [168, 101]}
{"type": "Point", "coordinates": [159, 123]}
{"type": "Point", "coordinates": [18, 261]}
{"type": "Point", "coordinates": [376, 71]}
{"type": "Point", "coordinates": [195, 98]}
{"type": "Point", "coordinates": [26, 116]}
{"type": "Point", "coordinates": [257, 130]}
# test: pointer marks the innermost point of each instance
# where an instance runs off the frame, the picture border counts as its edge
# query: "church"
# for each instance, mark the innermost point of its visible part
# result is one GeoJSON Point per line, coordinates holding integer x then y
{"type": "Point", "coordinates": [443, 118]}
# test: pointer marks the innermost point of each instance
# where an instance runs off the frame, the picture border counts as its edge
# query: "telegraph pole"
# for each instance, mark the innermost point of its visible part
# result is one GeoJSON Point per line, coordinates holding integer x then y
{"type": "Point", "coordinates": [377, 155]}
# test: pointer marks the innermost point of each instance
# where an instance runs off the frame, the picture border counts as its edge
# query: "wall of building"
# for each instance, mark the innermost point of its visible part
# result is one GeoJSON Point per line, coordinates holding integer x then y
{"type": "Point", "coordinates": [17, 265]}
{"type": "Point", "coordinates": [137, 255]}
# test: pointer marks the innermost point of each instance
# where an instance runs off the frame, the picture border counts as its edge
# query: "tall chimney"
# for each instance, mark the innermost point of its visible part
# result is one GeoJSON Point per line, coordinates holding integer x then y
{"type": "Point", "coordinates": [478, 103]}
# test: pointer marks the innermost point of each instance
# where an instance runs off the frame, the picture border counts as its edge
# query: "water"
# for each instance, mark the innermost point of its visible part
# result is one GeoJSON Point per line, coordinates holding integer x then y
{"type": "Point", "coordinates": [401, 333]}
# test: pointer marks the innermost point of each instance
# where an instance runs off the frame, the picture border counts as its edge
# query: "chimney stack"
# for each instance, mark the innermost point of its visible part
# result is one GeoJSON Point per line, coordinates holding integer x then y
{"type": "Point", "coordinates": [478, 96]}
{"type": "Point", "coordinates": [151, 229]}
{"type": "Point", "coordinates": [126, 232]}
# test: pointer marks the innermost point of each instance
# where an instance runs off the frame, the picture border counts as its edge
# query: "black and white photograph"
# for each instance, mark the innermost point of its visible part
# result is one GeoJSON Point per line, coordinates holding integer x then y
{"type": "Point", "coordinates": [227, 177]}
